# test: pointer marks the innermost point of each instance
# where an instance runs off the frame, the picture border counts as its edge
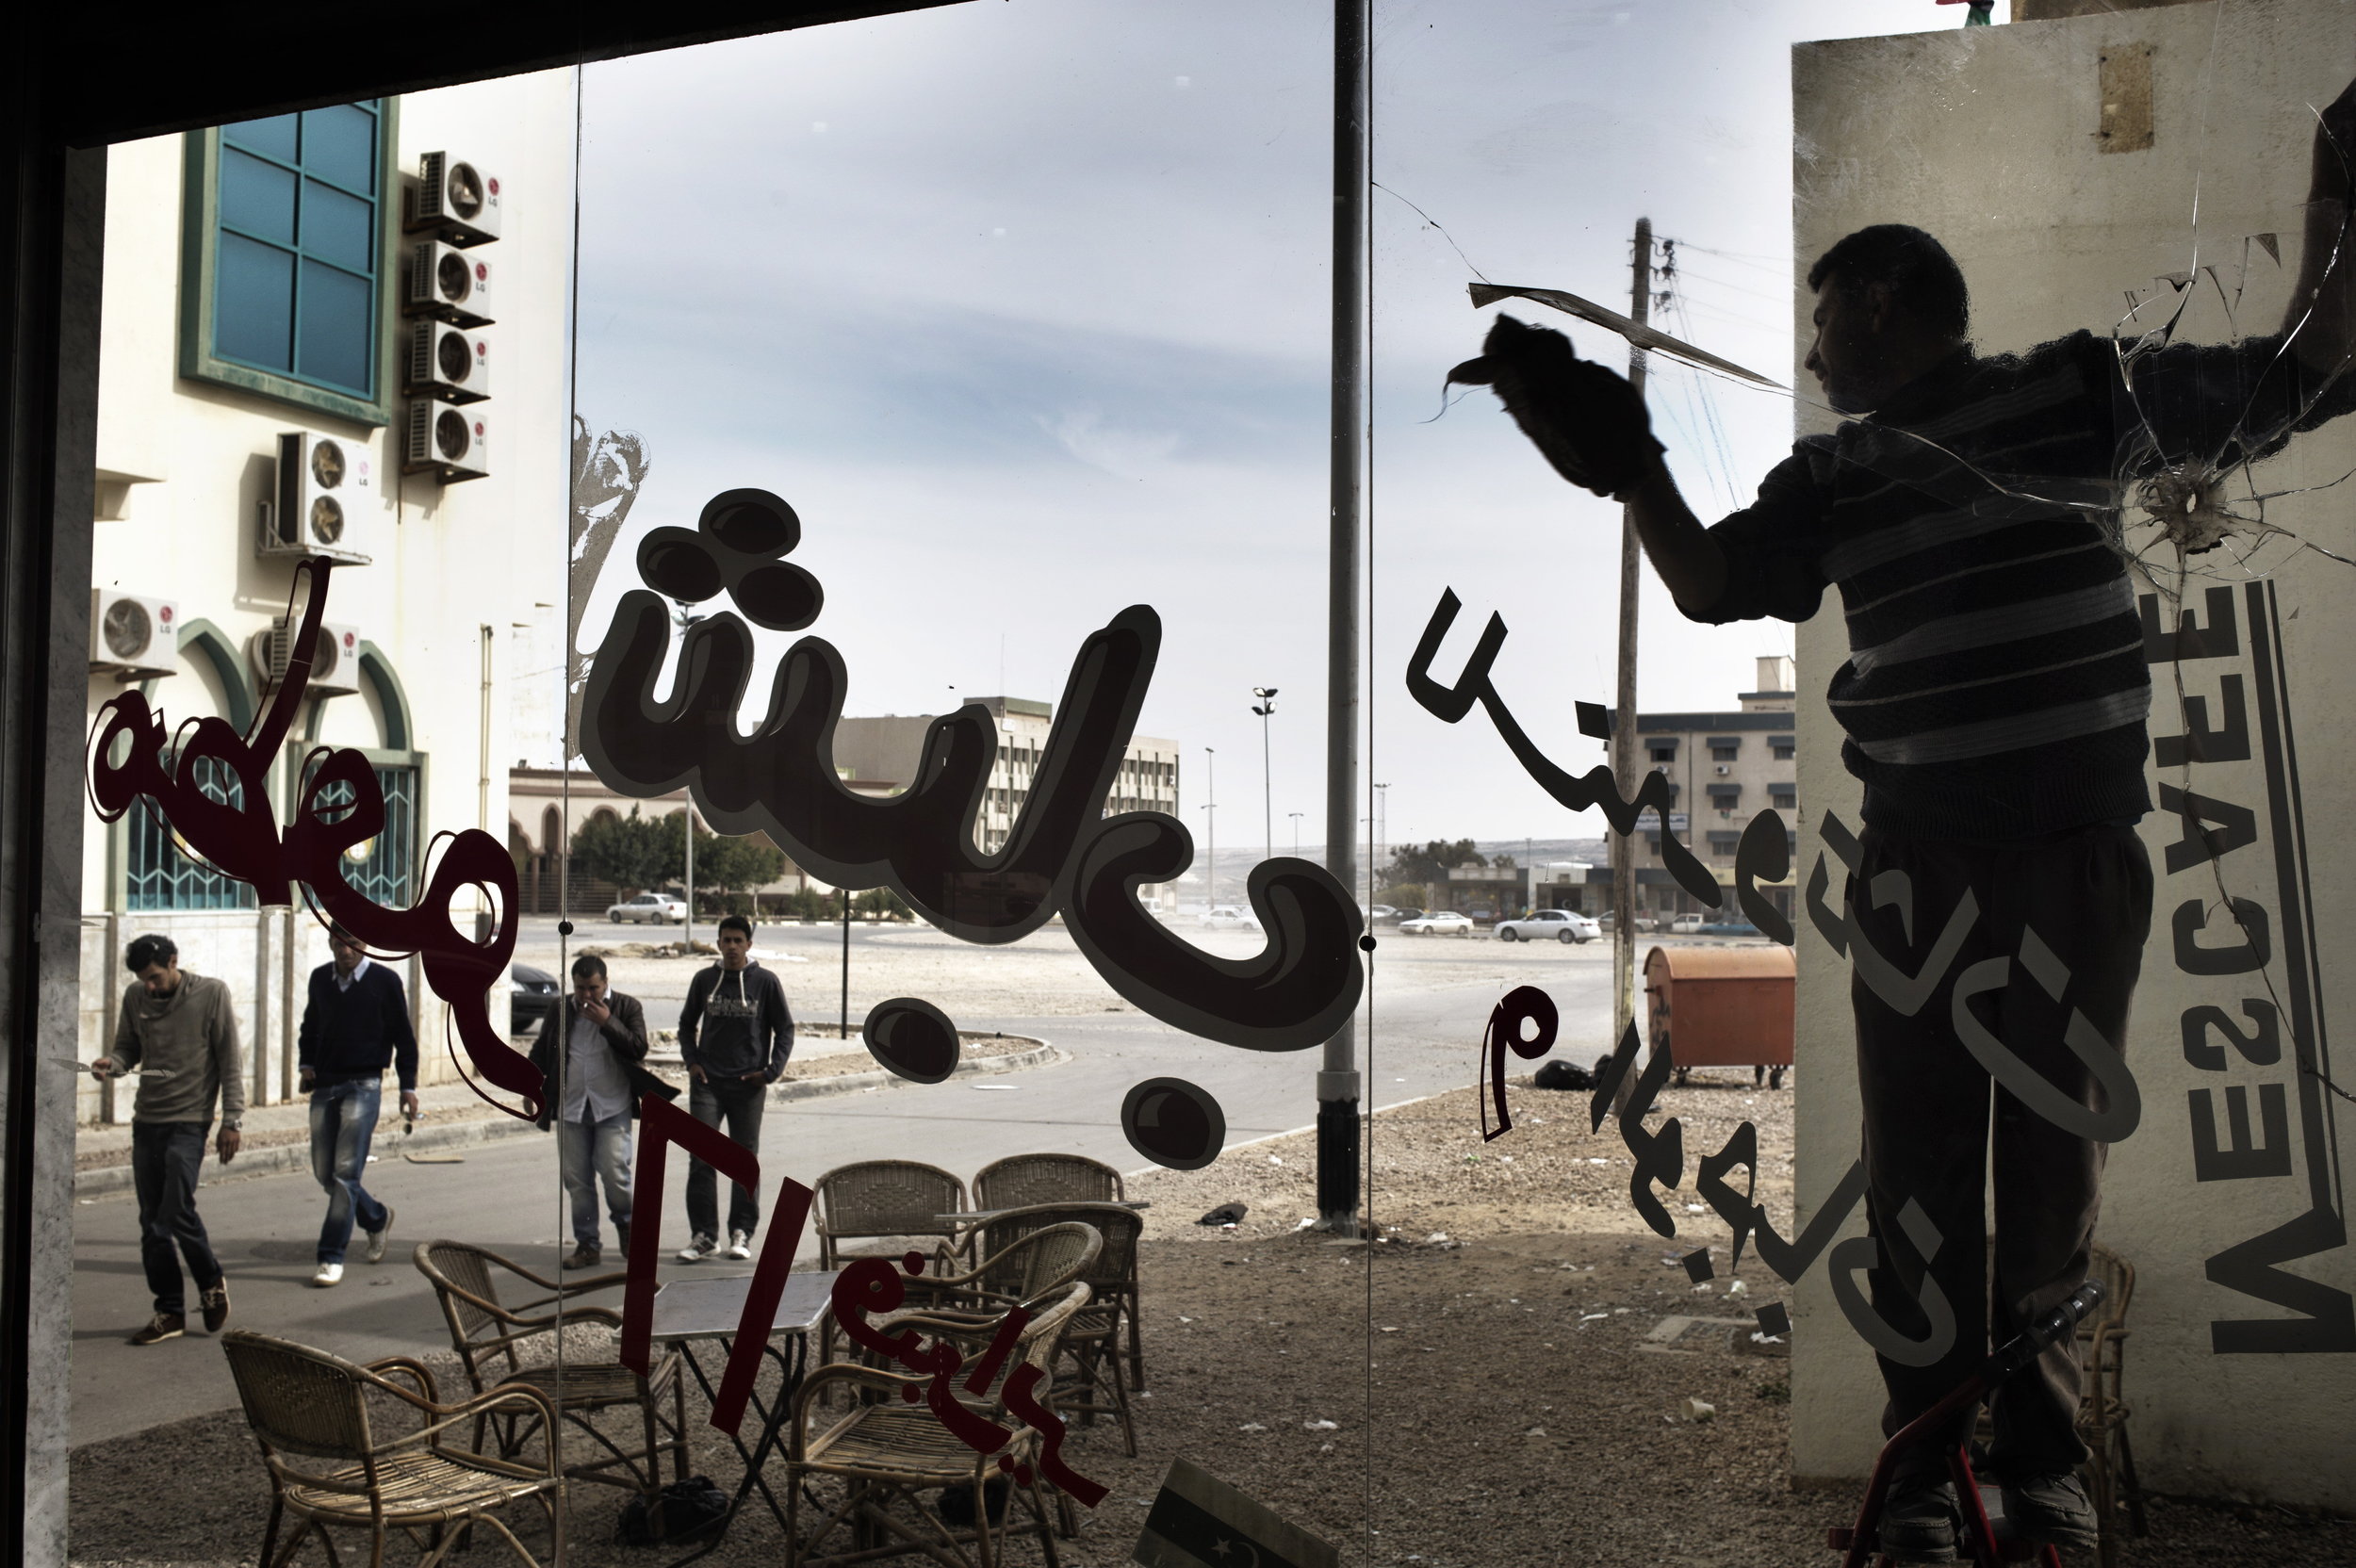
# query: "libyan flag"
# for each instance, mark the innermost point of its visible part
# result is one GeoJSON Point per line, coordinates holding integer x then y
{"type": "Point", "coordinates": [1201, 1522]}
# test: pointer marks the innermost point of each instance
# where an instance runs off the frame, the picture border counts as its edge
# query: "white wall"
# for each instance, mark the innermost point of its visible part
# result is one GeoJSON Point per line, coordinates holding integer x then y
{"type": "Point", "coordinates": [1986, 139]}
{"type": "Point", "coordinates": [449, 562]}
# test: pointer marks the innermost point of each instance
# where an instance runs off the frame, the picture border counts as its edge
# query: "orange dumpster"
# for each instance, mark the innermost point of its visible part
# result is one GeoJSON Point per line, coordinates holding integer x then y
{"type": "Point", "coordinates": [1720, 1007]}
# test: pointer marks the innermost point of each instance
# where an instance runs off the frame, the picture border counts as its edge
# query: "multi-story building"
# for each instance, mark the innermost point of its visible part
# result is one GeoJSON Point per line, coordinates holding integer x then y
{"type": "Point", "coordinates": [1724, 769]}
{"type": "Point", "coordinates": [886, 750]}
{"type": "Point", "coordinates": [341, 330]}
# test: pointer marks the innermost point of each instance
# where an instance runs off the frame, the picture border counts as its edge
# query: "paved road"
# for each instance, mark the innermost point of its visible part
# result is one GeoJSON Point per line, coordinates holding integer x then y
{"type": "Point", "coordinates": [506, 1195]}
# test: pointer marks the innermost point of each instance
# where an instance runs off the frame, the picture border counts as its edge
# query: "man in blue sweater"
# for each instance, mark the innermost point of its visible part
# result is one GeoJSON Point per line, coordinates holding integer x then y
{"type": "Point", "coordinates": [354, 1025]}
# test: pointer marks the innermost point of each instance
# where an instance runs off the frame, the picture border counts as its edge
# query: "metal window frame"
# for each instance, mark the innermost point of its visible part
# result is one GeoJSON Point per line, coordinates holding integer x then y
{"type": "Point", "coordinates": [201, 229]}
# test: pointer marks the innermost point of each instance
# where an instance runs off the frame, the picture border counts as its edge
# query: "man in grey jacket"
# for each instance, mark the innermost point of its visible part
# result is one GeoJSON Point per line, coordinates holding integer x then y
{"type": "Point", "coordinates": [735, 1033]}
{"type": "Point", "coordinates": [179, 1032]}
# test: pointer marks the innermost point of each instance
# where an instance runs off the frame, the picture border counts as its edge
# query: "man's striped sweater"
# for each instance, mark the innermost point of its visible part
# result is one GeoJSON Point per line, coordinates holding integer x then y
{"type": "Point", "coordinates": [1996, 686]}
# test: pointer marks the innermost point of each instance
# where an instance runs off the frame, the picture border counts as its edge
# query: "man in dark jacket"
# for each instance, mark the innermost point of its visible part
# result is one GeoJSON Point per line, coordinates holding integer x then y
{"type": "Point", "coordinates": [735, 1033]}
{"type": "Point", "coordinates": [593, 1093]}
{"type": "Point", "coordinates": [354, 1025]}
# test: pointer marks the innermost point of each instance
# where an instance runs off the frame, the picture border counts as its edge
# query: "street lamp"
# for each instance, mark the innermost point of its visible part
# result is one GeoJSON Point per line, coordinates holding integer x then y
{"type": "Point", "coordinates": [1296, 817]}
{"type": "Point", "coordinates": [1382, 825]}
{"type": "Point", "coordinates": [1210, 818]}
{"type": "Point", "coordinates": [1266, 705]}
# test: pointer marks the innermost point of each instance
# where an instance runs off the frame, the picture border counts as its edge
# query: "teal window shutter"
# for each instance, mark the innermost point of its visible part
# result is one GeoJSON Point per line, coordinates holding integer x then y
{"type": "Point", "coordinates": [298, 234]}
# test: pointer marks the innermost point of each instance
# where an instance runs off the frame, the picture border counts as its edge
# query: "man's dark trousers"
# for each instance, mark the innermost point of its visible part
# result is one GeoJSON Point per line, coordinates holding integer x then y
{"type": "Point", "coordinates": [738, 1102]}
{"type": "Point", "coordinates": [165, 1158]}
{"type": "Point", "coordinates": [2088, 894]}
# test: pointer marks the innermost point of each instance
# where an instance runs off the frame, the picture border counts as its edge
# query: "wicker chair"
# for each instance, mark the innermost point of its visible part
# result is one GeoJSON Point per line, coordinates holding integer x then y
{"type": "Point", "coordinates": [2103, 1413]}
{"type": "Point", "coordinates": [1036, 1264]}
{"type": "Point", "coordinates": [886, 1452]}
{"type": "Point", "coordinates": [877, 1200]}
{"type": "Point", "coordinates": [1092, 1343]}
{"type": "Point", "coordinates": [305, 1402]}
{"type": "Point", "coordinates": [1020, 1180]}
{"type": "Point", "coordinates": [486, 1334]}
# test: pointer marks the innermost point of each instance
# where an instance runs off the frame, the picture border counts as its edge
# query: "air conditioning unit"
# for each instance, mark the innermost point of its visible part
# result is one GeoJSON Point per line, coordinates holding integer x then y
{"type": "Point", "coordinates": [445, 282]}
{"type": "Point", "coordinates": [324, 500]}
{"type": "Point", "coordinates": [132, 635]}
{"type": "Point", "coordinates": [447, 362]}
{"type": "Point", "coordinates": [1724, 770]}
{"type": "Point", "coordinates": [447, 440]}
{"type": "Point", "coordinates": [454, 200]}
{"type": "Point", "coordinates": [335, 664]}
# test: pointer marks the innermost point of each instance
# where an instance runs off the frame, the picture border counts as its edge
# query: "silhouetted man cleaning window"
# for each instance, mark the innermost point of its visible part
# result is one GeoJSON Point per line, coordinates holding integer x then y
{"type": "Point", "coordinates": [1994, 702]}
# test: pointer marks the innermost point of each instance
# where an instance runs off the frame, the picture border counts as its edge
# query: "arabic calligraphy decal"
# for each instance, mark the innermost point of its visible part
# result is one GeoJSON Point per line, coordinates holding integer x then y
{"type": "Point", "coordinates": [133, 757]}
{"type": "Point", "coordinates": [874, 1285]}
{"type": "Point", "coordinates": [1063, 857]}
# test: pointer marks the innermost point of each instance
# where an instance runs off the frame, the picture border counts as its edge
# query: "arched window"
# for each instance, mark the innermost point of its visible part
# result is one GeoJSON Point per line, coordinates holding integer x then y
{"type": "Point", "coordinates": [553, 832]}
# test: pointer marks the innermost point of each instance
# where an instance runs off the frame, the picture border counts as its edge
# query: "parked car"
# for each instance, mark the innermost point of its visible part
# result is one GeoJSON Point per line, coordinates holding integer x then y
{"type": "Point", "coordinates": [1729, 928]}
{"type": "Point", "coordinates": [1483, 915]}
{"type": "Point", "coordinates": [1405, 915]}
{"type": "Point", "coordinates": [1642, 922]}
{"type": "Point", "coordinates": [530, 993]}
{"type": "Point", "coordinates": [660, 908]}
{"type": "Point", "coordinates": [1686, 925]}
{"type": "Point", "coordinates": [1447, 923]}
{"type": "Point", "coordinates": [1381, 914]}
{"type": "Point", "coordinates": [1230, 917]}
{"type": "Point", "coordinates": [1560, 926]}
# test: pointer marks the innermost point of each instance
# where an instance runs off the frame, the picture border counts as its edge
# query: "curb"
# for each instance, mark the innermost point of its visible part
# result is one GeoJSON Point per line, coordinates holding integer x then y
{"type": "Point", "coordinates": [99, 1181]}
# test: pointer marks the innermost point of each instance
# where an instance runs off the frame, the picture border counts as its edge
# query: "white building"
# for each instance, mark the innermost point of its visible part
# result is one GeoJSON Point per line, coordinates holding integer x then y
{"type": "Point", "coordinates": [255, 290]}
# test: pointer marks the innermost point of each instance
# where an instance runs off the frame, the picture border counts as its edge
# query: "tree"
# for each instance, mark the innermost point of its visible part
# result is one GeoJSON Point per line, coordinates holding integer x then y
{"type": "Point", "coordinates": [722, 864]}
{"type": "Point", "coordinates": [625, 851]}
{"type": "Point", "coordinates": [1430, 863]}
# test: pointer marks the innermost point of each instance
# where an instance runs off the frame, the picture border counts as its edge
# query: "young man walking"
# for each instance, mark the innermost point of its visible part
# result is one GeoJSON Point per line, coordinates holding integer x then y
{"type": "Point", "coordinates": [735, 1035]}
{"type": "Point", "coordinates": [180, 1033]}
{"type": "Point", "coordinates": [356, 1024]}
{"type": "Point", "coordinates": [595, 1085]}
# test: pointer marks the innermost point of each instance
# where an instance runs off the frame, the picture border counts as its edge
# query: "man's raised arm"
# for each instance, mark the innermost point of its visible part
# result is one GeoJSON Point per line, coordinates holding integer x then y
{"type": "Point", "coordinates": [1682, 552]}
{"type": "Point", "coordinates": [2323, 306]}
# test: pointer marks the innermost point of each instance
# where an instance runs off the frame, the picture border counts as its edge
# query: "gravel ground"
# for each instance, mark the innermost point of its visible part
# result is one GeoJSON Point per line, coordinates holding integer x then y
{"type": "Point", "coordinates": [1497, 1390]}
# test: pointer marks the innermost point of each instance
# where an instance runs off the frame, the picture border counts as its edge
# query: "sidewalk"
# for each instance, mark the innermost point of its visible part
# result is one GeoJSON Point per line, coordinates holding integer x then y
{"type": "Point", "coordinates": [451, 1116]}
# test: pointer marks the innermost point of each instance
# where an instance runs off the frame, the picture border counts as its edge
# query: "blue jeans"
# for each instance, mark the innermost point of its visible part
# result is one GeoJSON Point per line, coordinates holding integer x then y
{"type": "Point", "coordinates": [343, 1119]}
{"type": "Point", "coordinates": [594, 1152]}
{"type": "Point", "coordinates": [736, 1104]}
{"type": "Point", "coordinates": [165, 1157]}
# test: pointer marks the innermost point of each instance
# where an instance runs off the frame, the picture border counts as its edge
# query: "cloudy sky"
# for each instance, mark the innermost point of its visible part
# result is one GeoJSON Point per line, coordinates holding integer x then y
{"type": "Point", "coordinates": [1024, 306]}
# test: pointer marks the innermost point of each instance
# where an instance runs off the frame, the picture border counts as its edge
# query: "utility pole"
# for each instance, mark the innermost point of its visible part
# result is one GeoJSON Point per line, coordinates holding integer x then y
{"type": "Point", "coordinates": [1338, 1098]}
{"type": "Point", "coordinates": [1266, 705]}
{"type": "Point", "coordinates": [1624, 762]}
{"type": "Point", "coordinates": [687, 922]}
{"type": "Point", "coordinates": [1296, 817]}
{"type": "Point", "coordinates": [1210, 820]}
{"type": "Point", "coordinates": [1382, 837]}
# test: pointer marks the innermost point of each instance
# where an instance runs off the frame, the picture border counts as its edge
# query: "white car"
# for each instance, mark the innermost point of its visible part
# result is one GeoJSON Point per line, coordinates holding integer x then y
{"type": "Point", "coordinates": [1562, 925]}
{"type": "Point", "coordinates": [1447, 923]}
{"type": "Point", "coordinates": [1686, 925]}
{"type": "Point", "coordinates": [1228, 916]}
{"type": "Point", "coordinates": [661, 909]}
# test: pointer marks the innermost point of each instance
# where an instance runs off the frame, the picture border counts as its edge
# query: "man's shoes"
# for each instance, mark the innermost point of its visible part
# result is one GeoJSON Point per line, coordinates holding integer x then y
{"type": "Point", "coordinates": [1919, 1518]}
{"type": "Point", "coordinates": [739, 1245]}
{"type": "Point", "coordinates": [583, 1255]}
{"type": "Point", "coordinates": [163, 1326]}
{"type": "Point", "coordinates": [377, 1238]}
{"type": "Point", "coordinates": [2053, 1508]}
{"type": "Point", "coordinates": [216, 1304]}
{"type": "Point", "coordinates": [699, 1248]}
{"type": "Point", "coordinates": [621, 1241]}
{"type": "Point", "coordinates": [329, 1274]}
